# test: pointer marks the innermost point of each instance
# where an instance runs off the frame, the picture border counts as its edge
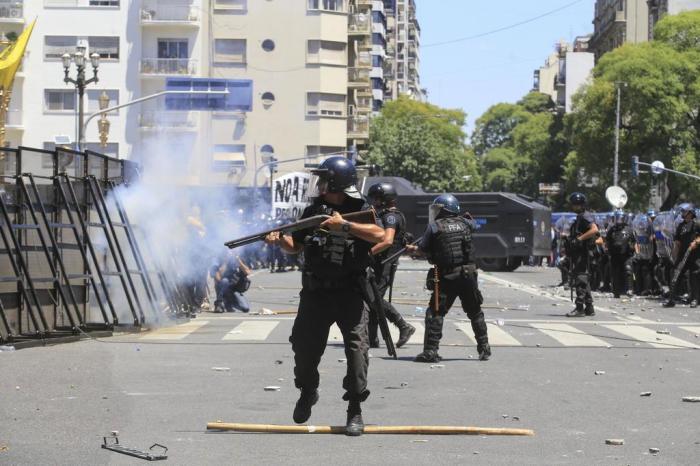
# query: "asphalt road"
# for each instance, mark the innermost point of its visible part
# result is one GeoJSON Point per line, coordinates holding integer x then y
{"type": "Point", "coordinates": [56, 403]}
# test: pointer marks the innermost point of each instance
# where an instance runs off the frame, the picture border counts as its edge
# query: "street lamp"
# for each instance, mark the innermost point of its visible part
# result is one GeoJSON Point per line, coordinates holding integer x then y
{"type": "Point", "coordinates": [80, 82]}
{"type": "Point", "coordinates": [103, 123]}
{"type": "Point", "coordinates": [619, 85]}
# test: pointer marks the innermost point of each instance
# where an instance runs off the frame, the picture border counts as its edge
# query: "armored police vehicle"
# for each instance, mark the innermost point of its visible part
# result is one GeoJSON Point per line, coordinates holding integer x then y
{"type": "Point", "coordinates": [510, 227]}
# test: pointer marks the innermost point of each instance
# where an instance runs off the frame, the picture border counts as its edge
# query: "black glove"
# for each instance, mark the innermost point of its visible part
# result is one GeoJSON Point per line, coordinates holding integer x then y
{"type": "Point", "coordinates": [575, 244]}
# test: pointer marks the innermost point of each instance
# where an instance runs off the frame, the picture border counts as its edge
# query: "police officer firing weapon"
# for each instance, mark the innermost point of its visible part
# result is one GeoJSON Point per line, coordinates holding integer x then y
{"type": "Point", "coordinates": [383, 196]}
{"type": "Point", "coordinates": [686, 255]}
{"type": "Point", "coordinates": [447, 243]}
{"type": "Point", "coordinates": [583, 233]}
{"type": "Point", "coordinates": [336, 257]}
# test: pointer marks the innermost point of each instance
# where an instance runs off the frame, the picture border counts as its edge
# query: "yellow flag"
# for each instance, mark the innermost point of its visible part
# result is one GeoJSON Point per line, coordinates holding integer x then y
{"type": "Point", "coordinates": [11, 57]}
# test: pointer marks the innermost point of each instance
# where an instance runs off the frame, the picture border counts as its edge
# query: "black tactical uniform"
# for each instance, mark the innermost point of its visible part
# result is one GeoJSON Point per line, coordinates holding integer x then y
{"type": "Point", "coordinates": [333, 276]}
{"type": "Point", "coordinates": [580, 253]}
{"type": "Point", "coordinates": [447, 242]}
{"type": "Point", "coordinates": [686, 232]}
{"type": "Point", "coordinates": [620, 244]}
{"type": "Point", "coordinates": [391, 219]}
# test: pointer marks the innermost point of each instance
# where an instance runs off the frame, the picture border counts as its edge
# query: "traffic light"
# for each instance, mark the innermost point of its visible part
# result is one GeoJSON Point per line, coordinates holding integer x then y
{"type": "Point", "coordinates": [635, 166]}
{"type": "Point", "coordinates": [273, 164]}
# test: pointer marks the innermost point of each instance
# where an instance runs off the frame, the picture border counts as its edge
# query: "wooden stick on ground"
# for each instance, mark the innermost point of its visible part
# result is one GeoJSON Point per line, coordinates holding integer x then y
{"type": "Point", "coordinates": [411, 430]}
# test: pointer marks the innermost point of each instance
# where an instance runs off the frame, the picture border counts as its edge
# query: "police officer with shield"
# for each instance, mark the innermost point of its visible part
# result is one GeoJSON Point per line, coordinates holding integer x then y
{"type": "Point", "coordinates": [447, 243]}
{"type": "Point", "coordinates": [383, 196]}
{"type": "Point", "coordinates": [336, 257]}
{"type": "Point", "coordinates": [686, 255]}
{"type": "Point", "coordinates": [583, 233]}
{"type": "Point", "coordinates": [621, 247]}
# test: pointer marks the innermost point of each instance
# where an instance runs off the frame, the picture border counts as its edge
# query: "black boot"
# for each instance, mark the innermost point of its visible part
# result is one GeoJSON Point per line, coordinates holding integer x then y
{"type": "Point", "coordinates": [354, 425]}
{"type": "Point", "coordinates": [670, 303]}
{"type": "Point", "coordinates": [428, 356]}
{"type": "Point", "coordinates": [302, 410]}
{"type": "Point", "coordinates": [406, 330]}
{"type": "Point", "coordinates": [589, 310]}
{"type": "Point", "coordinates": [484, 350]}
{"type": "Point", "coordinates": [577, 312]}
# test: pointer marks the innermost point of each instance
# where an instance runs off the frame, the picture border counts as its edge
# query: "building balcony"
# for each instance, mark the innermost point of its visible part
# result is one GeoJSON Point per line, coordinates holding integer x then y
{"type": "Point", "coordinates": [364, 60]}
{"type": "Point", "coordinates": [13, 119]}
{"type": "Point", "coordinates": [358, 127]}
{"type": "Point", "coordinates": [359, 24]}
{"type": "Point", "coordinates": [358, 77]}
{"type": "Point", "coordinates": [169, 13]}
{"type": "Point", "coordinates": [11, 11]}
{"type": "Point", "coordinates": [363, 103]}
{"type": "Point", "coordinates": [168, 66]}
{"type": "Point", "coordinates": [167, 119]}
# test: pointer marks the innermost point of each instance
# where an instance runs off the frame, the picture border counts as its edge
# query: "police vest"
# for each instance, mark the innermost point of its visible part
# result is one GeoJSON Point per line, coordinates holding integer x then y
{"type": "Point", "coordinates": [330, 255]}
{"type": "Point", "coordinates": [451, 244]}
{"type": "Point", "coordinates": [619, 242]}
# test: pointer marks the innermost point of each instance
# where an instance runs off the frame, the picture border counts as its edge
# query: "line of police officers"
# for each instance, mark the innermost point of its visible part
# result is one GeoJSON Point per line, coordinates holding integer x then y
{"type": "Point", "coordinates": [337, 258]}
{"type": "Point", "coordinates": [627, 258]}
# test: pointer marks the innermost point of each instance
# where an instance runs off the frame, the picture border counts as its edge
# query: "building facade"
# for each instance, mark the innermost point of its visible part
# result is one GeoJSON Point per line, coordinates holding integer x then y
{"type": "Point", "coordinates": [617, 22]}
{"type": "Point", "coordinates": [293, 80]}
{"type": "Point", "coordinates": [659, 8]}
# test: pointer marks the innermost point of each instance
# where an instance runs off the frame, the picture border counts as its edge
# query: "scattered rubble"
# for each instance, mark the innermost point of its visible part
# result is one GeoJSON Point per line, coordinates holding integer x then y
{"type": "Point", "coordinates": [691, 399]}
{"type": "Point", "coordinates": [654, 451]}
{"type": "Point", "coordinates": [645, 394]}
{"type": "Point", "coordinates": [437, 366]}
{"type": "Point", "coordinates": [663, 332]}
{"type": "Point", "coordinates": [279, 361]}
{"type": "Point", "coordinates": [599, 372]}
{"type": "Point", "coordinates": [615, 441]}
{"type": "Point", "coordinates": [221, 369]}
{"type": "Point", "coordinates": [272, 388]}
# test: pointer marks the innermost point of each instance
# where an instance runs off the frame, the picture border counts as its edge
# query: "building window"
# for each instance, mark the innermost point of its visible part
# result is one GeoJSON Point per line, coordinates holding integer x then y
{"type": "Point", "coordinates": [107, 47]}
{"type": "Point", "coordinates": [230, 50]}
{"type": "Point", "coordinates": [378, 39]}
{"type": "Point", "coordinates": [318, 151]}
{"type": "Point", "coordinates": [239, 5]}
{"type": "Point", "coordinates": [227, 156]}
{"type": "Point", "coordinates": [59, 100]}
{"type": "Point", "coordinates": [268, 98]}
{"type": "Point", "coordinates": [327, 5]}
{"type": "Point", "coordinates": [93, 99]}
{"type": "Point", "coordinates": [268, 45]}
{"type": "Point", "coordinates": [325, 52]}
{"type": "Point", "coordinates": [377, 61]}
{"type": "Point", "coordinates": [325, 104]}
{"type": "Point", "coordinates": [239, 97]}
{"type": "Point", "coordinates": [173, 48]}
{"type": "Point", "coordinates": [104, 2]}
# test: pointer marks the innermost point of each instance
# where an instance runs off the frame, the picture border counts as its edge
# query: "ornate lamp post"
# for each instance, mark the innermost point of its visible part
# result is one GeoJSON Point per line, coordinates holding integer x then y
{"type": "Point", "coordinates": [79, 58]}
{"type": "Point", "coordinates": [103, 123]}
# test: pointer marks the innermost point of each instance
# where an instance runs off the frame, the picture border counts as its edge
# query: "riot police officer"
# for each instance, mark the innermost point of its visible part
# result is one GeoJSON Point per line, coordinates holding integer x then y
{"type": "Point", "coordinates": [620, 244]}
{"type": "Point", "coordinates": [336, 257]}
{"type": "Point", "coordinates": [447, 242]}
{"type": "Point", "coordinates": [645, 283]}
{"type": "Point", "coordinates": [583, 233]}
{"type": "Point", "coordinates": [687, 240]}
{"type": "Point", "coordinates": [383, 196]}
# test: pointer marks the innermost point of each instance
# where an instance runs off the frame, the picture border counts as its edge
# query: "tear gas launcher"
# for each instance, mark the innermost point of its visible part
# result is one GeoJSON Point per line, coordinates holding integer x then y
{"type": "Point", "coordinates": [364, 216]}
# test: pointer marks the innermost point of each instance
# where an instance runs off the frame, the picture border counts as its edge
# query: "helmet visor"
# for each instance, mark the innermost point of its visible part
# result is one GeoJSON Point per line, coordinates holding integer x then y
{"type": "Point", "coordinates": [317, 188]}
{"type": "Point", "coordinates": [434, 211]}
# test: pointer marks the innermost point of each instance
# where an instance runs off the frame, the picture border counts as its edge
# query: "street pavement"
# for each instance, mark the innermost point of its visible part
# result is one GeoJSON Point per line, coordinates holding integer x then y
{"type": "Point", "coordinates": [575, 382]}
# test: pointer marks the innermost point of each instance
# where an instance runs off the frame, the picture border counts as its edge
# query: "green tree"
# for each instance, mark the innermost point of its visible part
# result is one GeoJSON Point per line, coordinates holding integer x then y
{"type": "Point", "coordinates": [495, 127]}
{"type": "Point", "coordinates": [424, 144]}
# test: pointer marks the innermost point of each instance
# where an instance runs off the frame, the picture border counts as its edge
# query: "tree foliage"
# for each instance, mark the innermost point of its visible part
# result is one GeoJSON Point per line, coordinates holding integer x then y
{"type": "Point", "coordinates": [520, 145]}
{"type": "Point", "coordinates": [424, 144]}
{"type": "Point", "coordinates": [659, 112]}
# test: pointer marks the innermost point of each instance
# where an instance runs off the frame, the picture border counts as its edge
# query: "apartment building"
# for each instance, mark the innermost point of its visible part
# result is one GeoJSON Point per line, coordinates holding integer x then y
{"type": "Point", "coordinates": [566, 70]}
{"type": "Point", "coordinates": [617, 22]}
{"type": "Point", "coordinates": [290, 81]}
{"type": "Point", "coordinates": [659, 8]}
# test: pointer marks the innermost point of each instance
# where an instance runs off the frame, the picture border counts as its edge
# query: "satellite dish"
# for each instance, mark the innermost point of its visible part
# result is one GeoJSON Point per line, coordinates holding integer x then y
{"type": "Point", "coordinates": [658, 167]}
{"type": "Point", "coordinates": [616, 196]}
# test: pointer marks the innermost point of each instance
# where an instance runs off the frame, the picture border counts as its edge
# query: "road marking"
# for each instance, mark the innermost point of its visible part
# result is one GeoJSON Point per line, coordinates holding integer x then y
{"type": "Point", "coordinates": [177, 332]}
{"type": "Point", "coordinates": [335, 335]}
{"type": "Point", "coordinates": [569, 336]}
{"type": "Point", "coordinates": [650, 336]}
{"type": "Point", "coordinates": [466, 329]}
{"type": "Point", "coordinates": [542, 294]}
{"type": "Point", "coordinates": [499, 337]}
{"type": "Point", "coordinates": [694, 330]}
{"type": "Point", "coordinates": [252, 330]}
{"type": "Point", "coordinates": [641, 320]}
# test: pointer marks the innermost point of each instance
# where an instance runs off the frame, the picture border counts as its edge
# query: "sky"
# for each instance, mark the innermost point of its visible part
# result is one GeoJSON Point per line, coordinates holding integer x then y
{"type": "Point", "coordinates": [475, 74]}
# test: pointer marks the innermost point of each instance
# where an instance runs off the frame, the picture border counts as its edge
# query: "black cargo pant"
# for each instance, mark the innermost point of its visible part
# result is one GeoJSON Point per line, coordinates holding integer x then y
{"type": "Point", "coordinates": [392, 315]}
{"type": "Point", "coordinates": [621, 273]}
{"type": "Point", "coordinates": [463, 284]}
{"type": "Point", "coordinates": [318, 310]}
{"type": "Point", "coordinates": [692, 268]}
{"type": "Point", "coordinates": [582, 273]}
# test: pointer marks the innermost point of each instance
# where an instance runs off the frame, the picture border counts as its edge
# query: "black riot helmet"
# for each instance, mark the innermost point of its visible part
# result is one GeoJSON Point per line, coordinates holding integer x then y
{"type": "Point", "coordinates": [381, 194]}
{"type": "Point", "coordinates": [443, 204]}
{"type": "Point", "coordinates": [686, 208]}
{"type": "Point", "coordinates": [578, 199]}
{"type": "Point", "coordinates": [336, 175]}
